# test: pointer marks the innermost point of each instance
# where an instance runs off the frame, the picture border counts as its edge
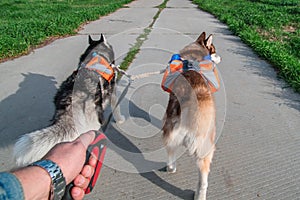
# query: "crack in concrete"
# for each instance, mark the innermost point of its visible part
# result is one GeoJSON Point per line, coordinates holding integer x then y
{"type": "Point", "coordinates": [135, 49]}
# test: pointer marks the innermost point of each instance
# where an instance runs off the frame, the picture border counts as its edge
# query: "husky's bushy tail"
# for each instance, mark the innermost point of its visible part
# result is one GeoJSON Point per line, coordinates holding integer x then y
{"type": "Point", "coordinates": [34, 146]}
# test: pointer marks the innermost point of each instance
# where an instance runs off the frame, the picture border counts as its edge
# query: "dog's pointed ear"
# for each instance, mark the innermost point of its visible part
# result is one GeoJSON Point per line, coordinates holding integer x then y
{"type": "Point", "coordinates": [102, 38]}
{"type": "Point", "coordinates": [208, 41]}
{"type": "Point", "coordinates": [90, 40]}
{"type": "Point", "coordinates": [201, 39]}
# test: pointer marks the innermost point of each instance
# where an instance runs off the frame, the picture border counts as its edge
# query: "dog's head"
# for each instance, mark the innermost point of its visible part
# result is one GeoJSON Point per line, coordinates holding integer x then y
{"type": "Point", "coordinates": [86, 77]}
{"type": "Point", "coordinates": [100, 47]}
{"type": "Point", "coordinates": [200, 48]}
{"type": "Point", "coordinates": [209, 45]}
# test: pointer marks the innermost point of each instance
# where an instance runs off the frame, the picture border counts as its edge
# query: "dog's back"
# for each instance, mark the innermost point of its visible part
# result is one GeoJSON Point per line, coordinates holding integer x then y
{"type": "Point", "coordinates": [190, 115]}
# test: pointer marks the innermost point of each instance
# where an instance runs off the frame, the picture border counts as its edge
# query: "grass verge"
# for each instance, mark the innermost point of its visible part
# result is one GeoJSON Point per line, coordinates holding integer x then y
{"type": "Point", "coordinates": [270, 27]}
{"type": "Point", "coordinates": [25, 24]}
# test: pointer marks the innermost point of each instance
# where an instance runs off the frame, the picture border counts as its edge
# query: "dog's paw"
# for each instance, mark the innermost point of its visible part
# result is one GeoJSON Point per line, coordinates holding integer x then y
{"type": "Point", "coordinates": [120, 119]}
{"type": "Point", "coordinates": [201, 196]}
{"type": "Point", "coordinates": [171, 169]}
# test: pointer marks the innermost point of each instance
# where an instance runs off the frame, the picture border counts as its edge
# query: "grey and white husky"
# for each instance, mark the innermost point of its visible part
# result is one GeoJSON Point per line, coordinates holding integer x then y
{"type": "Point", "coordinates": [79, 104]}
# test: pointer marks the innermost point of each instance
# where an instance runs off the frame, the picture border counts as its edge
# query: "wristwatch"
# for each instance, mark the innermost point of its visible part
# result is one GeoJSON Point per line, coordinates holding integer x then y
{"type": "Point", "coordinates": [58, 180]}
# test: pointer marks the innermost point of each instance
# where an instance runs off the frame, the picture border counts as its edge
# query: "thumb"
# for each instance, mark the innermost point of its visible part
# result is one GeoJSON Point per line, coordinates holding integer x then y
{"type": "Point", "coordinates": [87, 138]}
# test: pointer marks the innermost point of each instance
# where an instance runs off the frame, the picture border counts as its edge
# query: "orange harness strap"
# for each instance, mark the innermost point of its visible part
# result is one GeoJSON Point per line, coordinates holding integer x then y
{"type": "Point", "coordinates": [206, 68]}
{"type": "Point", "coordinates": [211, 75]}
{"type": "Point", "coordinates": [100, 65]}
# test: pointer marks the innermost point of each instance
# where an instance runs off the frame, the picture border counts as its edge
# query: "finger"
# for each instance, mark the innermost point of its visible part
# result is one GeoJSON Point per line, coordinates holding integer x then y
{"type": "Point", "coordinates": [81, 181]}
{"type": "Point", "coordinates": [87, 138]}
{"type": "Point", "coordinates": [87, 171]}
{"type": "Point", "coordinates": [77, 193]}
{"type": "Point", "coordinates": [93, 161]}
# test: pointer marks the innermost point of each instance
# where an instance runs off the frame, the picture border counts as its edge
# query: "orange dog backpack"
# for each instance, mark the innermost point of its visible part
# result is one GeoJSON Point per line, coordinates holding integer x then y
{"type": "Point", "coordinates": [101, 66]}
{"type": "Point", "coordinates": [207, 68]}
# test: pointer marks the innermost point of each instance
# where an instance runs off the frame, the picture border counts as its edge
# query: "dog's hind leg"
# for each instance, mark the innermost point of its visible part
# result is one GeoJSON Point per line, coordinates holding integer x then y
{"type": "Point", "coordinates": [172, 140]}
{"type": "Point", "coordinates": [171, 166]}
{"type": "Point", "coordinates": [204, 168]}
{"type": "Point", "coordinates": [116, 108]}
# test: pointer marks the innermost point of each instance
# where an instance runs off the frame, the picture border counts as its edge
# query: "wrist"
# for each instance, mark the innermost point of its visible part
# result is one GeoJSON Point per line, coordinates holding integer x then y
{"type": "Point", "coordinates": [58, 182]}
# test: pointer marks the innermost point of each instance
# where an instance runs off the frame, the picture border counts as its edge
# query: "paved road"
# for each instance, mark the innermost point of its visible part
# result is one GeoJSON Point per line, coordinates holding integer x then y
{"type": "Point", "coordinates": [258, 122]}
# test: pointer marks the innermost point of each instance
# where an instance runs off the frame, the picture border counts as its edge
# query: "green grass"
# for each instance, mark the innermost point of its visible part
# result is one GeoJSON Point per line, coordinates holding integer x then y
{"type": "Point", "coordinates": [270, 27]}
{"type": "Point", "coordinates": [24, 24]}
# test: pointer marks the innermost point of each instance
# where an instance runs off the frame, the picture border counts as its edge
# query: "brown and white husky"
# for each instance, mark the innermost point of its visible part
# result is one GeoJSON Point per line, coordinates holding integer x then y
{"type": "Point", "coordinates": [79, 104]}
{"type": "Point", "coordinates": [190, 116]}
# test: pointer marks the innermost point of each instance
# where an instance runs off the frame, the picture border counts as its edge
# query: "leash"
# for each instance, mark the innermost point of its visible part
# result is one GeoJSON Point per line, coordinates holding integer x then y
{"type": "Point", "coordinates": [138, 76]}
{"type": "Point", "coordinates": [131, 78]}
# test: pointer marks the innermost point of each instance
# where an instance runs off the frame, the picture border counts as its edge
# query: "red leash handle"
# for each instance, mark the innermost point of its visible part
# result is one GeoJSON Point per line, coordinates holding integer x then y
{"type": "Point", "coordinates": [98, 149]}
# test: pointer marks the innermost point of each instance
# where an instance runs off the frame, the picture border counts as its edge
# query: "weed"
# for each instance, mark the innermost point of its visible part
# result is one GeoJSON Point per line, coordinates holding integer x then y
{"type": "Point", "coordinates": [143, 37]}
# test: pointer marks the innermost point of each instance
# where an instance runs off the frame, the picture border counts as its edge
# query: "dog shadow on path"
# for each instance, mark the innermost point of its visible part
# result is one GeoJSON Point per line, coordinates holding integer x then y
{"type": "Point", "coordinates": [29, 109]}
{"type": "Point", "coordinates": [119, 143]}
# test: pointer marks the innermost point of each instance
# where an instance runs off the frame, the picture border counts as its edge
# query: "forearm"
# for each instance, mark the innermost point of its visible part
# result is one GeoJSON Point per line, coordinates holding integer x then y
{"type": "Point", "coordinates": [35, 181]}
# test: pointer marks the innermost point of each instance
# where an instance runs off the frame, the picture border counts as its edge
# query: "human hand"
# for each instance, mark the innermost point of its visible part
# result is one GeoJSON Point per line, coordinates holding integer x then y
{"type": "Point", "coordinates": [70, 157]}
{"type": "Point", "coordinates": [82, 180]}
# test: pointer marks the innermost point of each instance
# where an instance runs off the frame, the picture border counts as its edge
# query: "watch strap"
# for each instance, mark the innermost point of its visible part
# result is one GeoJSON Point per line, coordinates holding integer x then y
{"type": "Point", "coordinates": [58, 184]}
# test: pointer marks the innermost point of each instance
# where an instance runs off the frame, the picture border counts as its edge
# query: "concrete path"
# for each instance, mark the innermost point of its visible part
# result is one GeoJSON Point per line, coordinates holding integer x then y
{"type": "Point", "coordinates": [258, 121]}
